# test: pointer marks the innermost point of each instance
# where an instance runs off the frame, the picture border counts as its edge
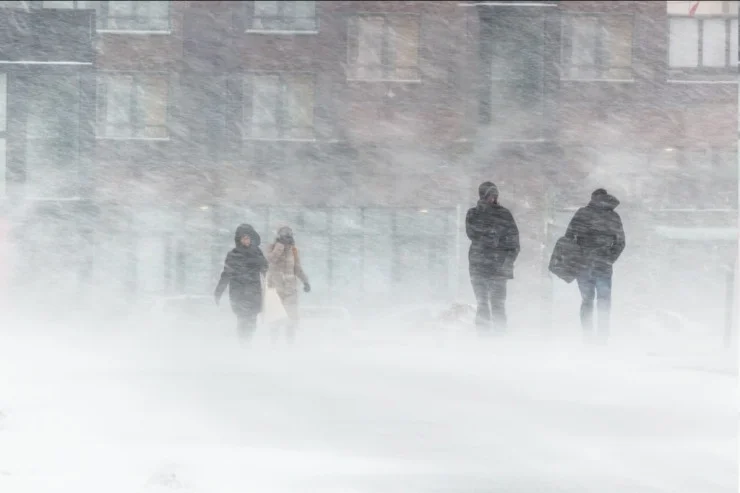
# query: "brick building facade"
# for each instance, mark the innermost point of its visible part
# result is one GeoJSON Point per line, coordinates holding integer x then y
{"type": "Point", "coordinates": [369, 124]}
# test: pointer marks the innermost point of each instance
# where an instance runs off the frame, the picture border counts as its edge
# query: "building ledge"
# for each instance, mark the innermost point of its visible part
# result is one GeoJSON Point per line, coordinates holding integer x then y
{"type": "Point", "coordinates": [612, 81]}
{"type": "Point", "coordinates": [507, 4]}
{"type": "Point", "coordinates": [139, 139]}
{"type": "Point", "coordinates": [257, 139]}
{"type": "Point", "coordinates": [35, 62]}
{"type": "Point", "coordinates": [398, 81]}
{"type": "Point", "coordinates": [134, 32]}
{"type": "Point", "coordinates": [280, 32]}
{"type": "Point", "coordinates": [688, 81]}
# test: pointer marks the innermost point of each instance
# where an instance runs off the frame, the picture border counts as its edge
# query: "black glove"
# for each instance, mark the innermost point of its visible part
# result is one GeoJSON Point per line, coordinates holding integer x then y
{"type": "Point", "coordinates": [307, 288]}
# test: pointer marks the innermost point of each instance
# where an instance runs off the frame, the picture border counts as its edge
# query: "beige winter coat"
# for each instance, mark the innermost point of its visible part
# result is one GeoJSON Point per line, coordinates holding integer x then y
{"type": "Point", "coordinates": [285, 269]}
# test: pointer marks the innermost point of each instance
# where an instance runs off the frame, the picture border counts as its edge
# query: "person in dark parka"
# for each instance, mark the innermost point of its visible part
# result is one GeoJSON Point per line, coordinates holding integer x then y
{"type": "Point", "coordinates": [598, 230]}
{"type": "Point", "coordinates": [494, 247]}
{"type": "Point", "coordinates": [243, 268]}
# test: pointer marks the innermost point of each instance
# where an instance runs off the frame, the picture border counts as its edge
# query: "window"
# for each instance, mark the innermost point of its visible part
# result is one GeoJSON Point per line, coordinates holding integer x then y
{"type": "Point", "coordinates": [279, 106]}
{"type": "Point", "coordinates": [3, 130]}
{"type": "Point", "coordinates": [196, 244]}
{"type": "Point", "coordinates": [64, 4]}
{"type": "Point", "coordinates": [151, 264]}
{"type": "Point", "coordinates": [114, 264]}
{"type": "Point", "coordinates": [52, 134]}
{"type": "Point", "coordinates": [683, 174]}
{"type": "Point", "coordinates": [3, 103]}
{"type": "Point", "coordinates": [377, 280]}
{"type": "Point", "coordinates": [422, 246]}
{"type": "Point", "coordinates": [15, 4]}
{"type": "Point", "coordinates": [315, 256]}
{"type": "Point", "coordinates": [384, 47]}
{"type": "Point", "coordinates": [513, 104]}
{"type": "Point", "coordinates": [346, 252]}
{"type": "Point", "coordinates": [597, 47]}
{"type": "Point", "coordinates": [129, 15]}
{"type": "Point", "coordinates": [282, 16]}
{"type": "Point", "coordinates": [133, 106]}
{"type": "Point", "coordinates": [703, 48]}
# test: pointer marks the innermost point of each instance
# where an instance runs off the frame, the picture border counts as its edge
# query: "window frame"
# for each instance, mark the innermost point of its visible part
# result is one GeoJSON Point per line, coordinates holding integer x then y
{"type": "Point", "coordinates": [102, 18]}
{"type": "Point", "coordinates": [566, 48]}
{"type": "Point", "coordinates": [702, 73]}
{"type": "Point", "coordinates": [250, 17]}
{"type": "Point", "coordinates": [4, 103]}
{"type": "Point", "coordinates": [17, 5]}
{"type": "Point", "coordinates": [136, 129]}
{"type": "Point", "coordinates": [247, 111]}
{"type": "Point", "coordinates": [496, 82]}
{"type": "Point", "coordinates": [385, 53]}
{"type": "Point", "coordinates": [75, 5]}
{"type": "Point", "coordinates": [4, 136]}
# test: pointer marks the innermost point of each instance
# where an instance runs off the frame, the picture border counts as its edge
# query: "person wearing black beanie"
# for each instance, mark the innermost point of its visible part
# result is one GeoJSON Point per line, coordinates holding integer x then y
{"type": "Point", "coordinates": [494, 247]}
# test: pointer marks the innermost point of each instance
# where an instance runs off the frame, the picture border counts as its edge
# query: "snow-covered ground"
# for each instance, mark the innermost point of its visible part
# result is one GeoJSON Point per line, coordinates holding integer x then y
{"type": "Point", "coordinates": [147, 409]}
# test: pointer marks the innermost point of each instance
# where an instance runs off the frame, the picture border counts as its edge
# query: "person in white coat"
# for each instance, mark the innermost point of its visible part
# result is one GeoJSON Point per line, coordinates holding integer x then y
{"type": "Point", "coordinates": [283, 275]}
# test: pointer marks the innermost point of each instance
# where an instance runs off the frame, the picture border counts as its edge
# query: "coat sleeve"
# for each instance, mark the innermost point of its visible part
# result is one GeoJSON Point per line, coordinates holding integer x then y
{"type": "Point", "coordinates": [275, 252]}
{"type": "Point", "coordinates": [299, 268]}
{"type": "Point", "coordinates": [471, 228]}
{"type": "Point", "coordinates": [226, 276]}
{"type": "Point", "coordinates": [619, 242]}
{"type": "Point", "coordinates": [513, 238]}
{"type": "Point", "coordinates": [577, 226]}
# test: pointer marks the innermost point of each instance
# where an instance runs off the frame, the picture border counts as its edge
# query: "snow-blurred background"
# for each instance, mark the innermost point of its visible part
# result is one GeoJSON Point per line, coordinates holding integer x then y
{"type": "Point", "coordinates": [132, 150]}
{"type": "Point", "coordinates": [136, 135]}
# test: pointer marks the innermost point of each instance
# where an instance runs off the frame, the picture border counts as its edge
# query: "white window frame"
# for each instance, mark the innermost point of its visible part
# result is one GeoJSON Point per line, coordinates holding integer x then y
{"type": "Point", "coordinates": [102, 9]}
{"type": "Point", "coordinates": [600, 63]}
{"type": "Point", "coordinates": [16, 4]}
{"type": "Point", "coordinates": [251, 9]}
{"type": "Point", "coordinates": [280, 111]}
{"type": "Point", "coordinates": [385, 56]}
{"type": "Point", "coordinates": [702, 73]}
{"type": "Point", "coordinates": [75, 5]}
{"type": "Point", "coordinates": [101, 109]}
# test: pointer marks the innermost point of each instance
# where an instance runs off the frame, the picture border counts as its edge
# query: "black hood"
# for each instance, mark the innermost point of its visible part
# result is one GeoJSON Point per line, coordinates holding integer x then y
{"type": "Point", "coordinates": [247, 230]}
{"type": "Point", "coordinates": [604, 201]}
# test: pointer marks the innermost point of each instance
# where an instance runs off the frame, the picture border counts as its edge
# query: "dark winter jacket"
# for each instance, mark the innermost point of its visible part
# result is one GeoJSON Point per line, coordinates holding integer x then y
{"type": "Point", "coordinates": [597, 229]}
{"type": "Point", "coordinates": [242, 271]}
{"type": "Point", "coordinates": [494, 240]}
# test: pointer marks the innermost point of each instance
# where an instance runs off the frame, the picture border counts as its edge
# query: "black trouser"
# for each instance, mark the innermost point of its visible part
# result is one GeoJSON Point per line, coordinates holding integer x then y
{"type": "Point", "coordinates": [490, 293]}
{"type": "Point", "coordinates": [245, 326]}
{"type": "Point", "coordinates": [598, 286]}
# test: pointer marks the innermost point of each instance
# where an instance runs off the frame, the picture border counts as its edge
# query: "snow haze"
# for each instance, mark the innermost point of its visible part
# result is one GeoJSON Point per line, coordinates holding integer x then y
{"type": "Point", "coordinates": [189, 411]}
{"type": "Point", "coordinates": [136, 136]}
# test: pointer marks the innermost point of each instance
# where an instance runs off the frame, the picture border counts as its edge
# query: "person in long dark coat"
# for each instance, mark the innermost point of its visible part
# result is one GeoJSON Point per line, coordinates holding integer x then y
{"type": "Point", "coordinates": [494, 247]}
{"type": "Point", "coordinates": [243, 268]}
{"type": "Point", "coordinates": [598, 230]}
